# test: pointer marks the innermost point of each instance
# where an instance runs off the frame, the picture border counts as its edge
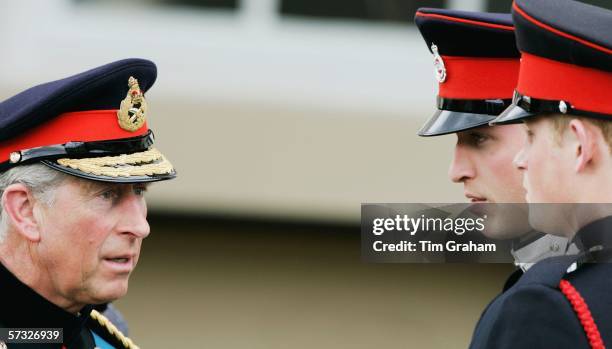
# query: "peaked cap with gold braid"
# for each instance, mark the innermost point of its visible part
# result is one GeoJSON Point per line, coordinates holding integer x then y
{"type": "Point", "coordinates": [91, 125]}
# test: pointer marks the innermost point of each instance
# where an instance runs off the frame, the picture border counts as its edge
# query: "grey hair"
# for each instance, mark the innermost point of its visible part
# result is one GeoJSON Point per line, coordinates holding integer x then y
{"type": "Point", "coordinates": [40, 179]}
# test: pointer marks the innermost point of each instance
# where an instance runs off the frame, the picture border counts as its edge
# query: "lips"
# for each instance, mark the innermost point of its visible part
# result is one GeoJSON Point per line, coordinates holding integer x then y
{"type": "Point", "coordinates": [120, 263]}
{"type": "Point", "coordinates": [119, 259]}
{"type": "Point", "coordinates": [475, 198]}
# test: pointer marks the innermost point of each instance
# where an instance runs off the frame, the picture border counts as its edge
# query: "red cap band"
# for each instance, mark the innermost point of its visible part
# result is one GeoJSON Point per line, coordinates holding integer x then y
{"type": "Point", "coordinates": [479, 78]}
{"type": "Point", "coordinates": [584, 88]}
{"type": "Point", "coordinates": [82, 126]}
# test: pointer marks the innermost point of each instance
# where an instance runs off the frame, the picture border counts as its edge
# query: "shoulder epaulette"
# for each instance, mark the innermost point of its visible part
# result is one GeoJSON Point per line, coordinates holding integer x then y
{"type": "Point", "coordinates": [105, 328]}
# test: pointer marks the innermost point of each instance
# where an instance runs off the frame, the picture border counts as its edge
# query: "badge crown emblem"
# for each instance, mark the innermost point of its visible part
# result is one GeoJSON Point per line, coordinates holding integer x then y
{"type": "Point", "coordinates": [131, 114]}
{"type": "Point", "coordinates": [440, 69]}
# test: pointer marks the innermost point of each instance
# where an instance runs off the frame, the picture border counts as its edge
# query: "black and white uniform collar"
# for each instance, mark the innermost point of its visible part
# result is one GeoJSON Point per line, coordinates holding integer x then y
{"type": "Point", "coordinates": [538, 246]}
{"type": "Point", "coordinates": [595, 236]}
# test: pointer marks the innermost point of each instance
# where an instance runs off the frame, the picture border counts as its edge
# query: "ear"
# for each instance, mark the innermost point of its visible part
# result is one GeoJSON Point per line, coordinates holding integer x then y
{"type": "Point", "coordinates": [585, 143]}
{"type": "Point", "coordinates": [18, 202]}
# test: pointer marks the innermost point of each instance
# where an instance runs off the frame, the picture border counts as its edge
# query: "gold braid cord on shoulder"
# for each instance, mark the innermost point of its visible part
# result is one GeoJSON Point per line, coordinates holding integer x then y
{"type": "Point", "coordinates": [146, 163]}
{"type": "Point", "coordinates": [114, 331]}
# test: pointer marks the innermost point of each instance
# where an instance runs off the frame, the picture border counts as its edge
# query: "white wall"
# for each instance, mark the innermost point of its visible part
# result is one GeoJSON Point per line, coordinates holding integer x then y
{"type": "Point", "coordinates": [261, 115]}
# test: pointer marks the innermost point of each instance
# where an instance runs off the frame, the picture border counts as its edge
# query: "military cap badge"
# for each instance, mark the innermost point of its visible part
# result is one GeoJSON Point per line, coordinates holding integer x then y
{"type": "Point", "coordinates": [131, 113]}
{"type": "Point", "coordinates": [482, 76]}
{"type": "Point", "coordinates": [439, 67]}
{"type": "Point", "coordinates": [73, 125]}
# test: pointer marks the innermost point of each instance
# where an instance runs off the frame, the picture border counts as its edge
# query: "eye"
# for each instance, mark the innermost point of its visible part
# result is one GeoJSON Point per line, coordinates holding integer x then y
{"type": "Point", "coordinates": [140, 190]}
{"type": "Point", "coordinates": [109, 194]}
{"type": "Point", "coordinates": [478, 138]}
{"type": "Point", "coordinates": [530, 134]}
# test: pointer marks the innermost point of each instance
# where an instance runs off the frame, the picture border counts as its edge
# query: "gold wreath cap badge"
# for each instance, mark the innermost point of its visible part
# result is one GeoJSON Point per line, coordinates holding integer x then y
{"type": "Point", "coordinates": [133, 108]}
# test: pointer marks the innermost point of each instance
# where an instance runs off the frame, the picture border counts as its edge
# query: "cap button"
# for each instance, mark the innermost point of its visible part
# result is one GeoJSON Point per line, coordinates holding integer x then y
{"type": "Point", "coordinates": [563, 107]}
{"type": "Point", "coordinates": [15, 157]}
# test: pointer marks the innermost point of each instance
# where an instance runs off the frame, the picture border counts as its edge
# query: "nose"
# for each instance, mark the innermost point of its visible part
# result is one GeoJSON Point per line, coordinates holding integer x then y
{"type": "Point", "coordinates": [461, 168]}
{"type": "Point", "coordinates": [134, 217]}
{"type": "Point", "coordinates": [520, 160]}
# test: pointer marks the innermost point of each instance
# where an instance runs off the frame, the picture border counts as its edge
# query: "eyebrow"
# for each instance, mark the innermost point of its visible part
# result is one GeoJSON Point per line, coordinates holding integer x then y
{"type": "Point", "coordinates": [91, 187]}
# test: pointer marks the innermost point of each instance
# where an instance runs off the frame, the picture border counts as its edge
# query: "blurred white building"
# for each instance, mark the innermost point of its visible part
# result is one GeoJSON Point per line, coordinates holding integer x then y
{"type": "Point", "coordinates": [276, 108]}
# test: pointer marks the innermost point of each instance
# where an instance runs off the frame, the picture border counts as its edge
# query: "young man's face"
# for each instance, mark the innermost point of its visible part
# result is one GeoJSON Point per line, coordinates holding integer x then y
{"type": "Point", "coordinates": [483, 163]}
{"type": "Point", "coordinates": [90, 239]}
{"type": "Point", "coordinates": [547, 164]}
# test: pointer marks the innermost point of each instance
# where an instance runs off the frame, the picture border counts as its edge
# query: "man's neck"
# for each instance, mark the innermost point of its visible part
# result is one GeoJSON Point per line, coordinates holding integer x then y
{"type": "Point", "coordinates": [584, 214]}
{"type": "Point", "coordinates": [18, 260]}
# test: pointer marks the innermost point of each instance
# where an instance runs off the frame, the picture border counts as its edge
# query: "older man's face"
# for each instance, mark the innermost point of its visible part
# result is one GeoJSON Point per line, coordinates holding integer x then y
{"type": "Point", "coordinates": [91, 237]}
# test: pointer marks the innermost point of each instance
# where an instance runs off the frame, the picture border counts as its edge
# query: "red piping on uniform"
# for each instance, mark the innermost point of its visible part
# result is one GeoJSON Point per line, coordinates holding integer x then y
{"type": "Point", "coordinates": [558, 32]}
{"type": "Point", "coordinates": [467, 21]}
{"type": "Point", "coordinates": [479, 78]}
{"type": "Point", "coordinates": [82, 126]}
{"type": "Point", "coordinates": [583, 313]}
{"type": "Point", "coordinates": [584, 88]}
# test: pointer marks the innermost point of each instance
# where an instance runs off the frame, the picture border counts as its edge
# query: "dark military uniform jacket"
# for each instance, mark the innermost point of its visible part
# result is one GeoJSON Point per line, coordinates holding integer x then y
{"type": "Point", "coordinates": [22, 307]}
{"type": "Point", "coordinates": [534, 313]}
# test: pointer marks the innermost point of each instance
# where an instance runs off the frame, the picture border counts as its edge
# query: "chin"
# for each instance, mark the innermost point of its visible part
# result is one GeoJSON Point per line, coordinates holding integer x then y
{"type": "Point", "coordinates": [506, 233]}
{"type": "Point", "coordinates": [111, 291]}
{"type": "Point", "coordinates": [506, 221]}
{"type": "Point", "coordinates": [548, 219]}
